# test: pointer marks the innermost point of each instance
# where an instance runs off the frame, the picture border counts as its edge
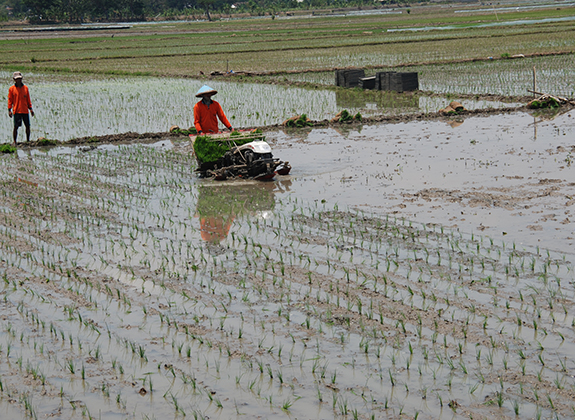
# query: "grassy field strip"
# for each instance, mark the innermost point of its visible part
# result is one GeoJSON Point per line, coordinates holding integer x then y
{"type": "Point", "coordinates": [263, 43]}
{"type": "Point", "coordinates": [322, 57]}
{"type": "Point", "coordinates": [61, 49]}
{"type": "Point", "coordinates": [276, 46]}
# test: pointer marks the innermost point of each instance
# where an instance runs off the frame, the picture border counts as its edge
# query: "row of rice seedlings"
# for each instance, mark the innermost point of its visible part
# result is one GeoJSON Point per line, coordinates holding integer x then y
{"type": "Point", "coordinates": [270, 104]}
{"type": "Point", "coordinates": [119, 296]}
{"type": "Point", "coordinates": [456, 294]}
{"type": "Point", "coordinates": [137, 349]}
{"type": "Point", "coordinates": [83, 360]}
{"type": "Point", "coordinates": [153, 109]}
{"type": "Point", "coordinates": [274, 267]}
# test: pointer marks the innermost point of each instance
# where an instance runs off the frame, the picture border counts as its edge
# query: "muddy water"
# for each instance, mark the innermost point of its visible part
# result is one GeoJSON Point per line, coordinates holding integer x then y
{"type": "Point", "coordinates": [508, 176]}
{"type": "Point", "coordinates": [373, 282]}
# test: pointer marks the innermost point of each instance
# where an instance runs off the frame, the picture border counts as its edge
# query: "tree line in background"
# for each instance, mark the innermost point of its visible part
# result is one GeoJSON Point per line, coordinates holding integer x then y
{"type": "Point", "coordinates": [76, 11]}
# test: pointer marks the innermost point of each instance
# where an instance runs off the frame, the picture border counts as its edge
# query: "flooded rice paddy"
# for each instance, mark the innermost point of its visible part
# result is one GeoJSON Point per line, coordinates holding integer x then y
{"type": "Point", "coordinates": [484, 25]}
{"type": "Point", "coordinates": [507, 77]}
{"type": "Point", "coordinates": [67, 109]}
{"type": "Point", "coordinates": [70, 106]}
{"type": "Point", "coordinates": [416, 270]}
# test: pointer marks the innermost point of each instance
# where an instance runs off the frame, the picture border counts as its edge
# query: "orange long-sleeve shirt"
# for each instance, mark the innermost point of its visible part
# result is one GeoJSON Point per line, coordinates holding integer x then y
{"type": "Point", "coordinates": [19, 99]}
{"type": "Point", "coordinates": [206, 117]}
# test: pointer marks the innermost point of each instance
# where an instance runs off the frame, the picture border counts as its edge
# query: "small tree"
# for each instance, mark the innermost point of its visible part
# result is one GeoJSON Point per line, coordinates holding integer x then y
{"type": "Point", "coordinates": [206, 5]}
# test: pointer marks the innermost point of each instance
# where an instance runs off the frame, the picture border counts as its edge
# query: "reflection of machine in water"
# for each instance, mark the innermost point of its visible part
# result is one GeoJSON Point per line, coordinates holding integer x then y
{"type": "Point", "coordinates": [546, 114]}
{"type": "Point", "coordinates": [219, 204]}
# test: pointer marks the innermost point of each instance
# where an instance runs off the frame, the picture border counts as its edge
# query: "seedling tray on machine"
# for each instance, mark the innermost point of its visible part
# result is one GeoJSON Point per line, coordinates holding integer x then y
{"type": "Point", "coordinates": [210, 149]}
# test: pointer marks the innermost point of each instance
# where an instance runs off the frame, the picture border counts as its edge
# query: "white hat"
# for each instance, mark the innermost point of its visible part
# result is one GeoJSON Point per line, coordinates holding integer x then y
{"type": "Point", "coordinates": [205, 90]}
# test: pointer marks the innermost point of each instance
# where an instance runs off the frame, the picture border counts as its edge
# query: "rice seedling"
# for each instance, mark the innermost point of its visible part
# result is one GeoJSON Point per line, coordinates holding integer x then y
{"type": "Point", "coordinates": [225, 311]}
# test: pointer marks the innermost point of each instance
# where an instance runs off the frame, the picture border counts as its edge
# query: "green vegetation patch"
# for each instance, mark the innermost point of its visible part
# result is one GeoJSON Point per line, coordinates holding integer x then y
{"type": "Point", "coordinates": [184, 132]}
{"type": "Point", "coordinates": [544, 103]}
{"type": "Point", "coordinates": [345, 116]}
{"type": "Point", "coordinates": [301, 121]}
{"type": "Point", "coordinates": [47, 142]}
{"type": "Point", "coordinates": [7, 148]}
{"type": "Point", "coordinates": [209, 149]}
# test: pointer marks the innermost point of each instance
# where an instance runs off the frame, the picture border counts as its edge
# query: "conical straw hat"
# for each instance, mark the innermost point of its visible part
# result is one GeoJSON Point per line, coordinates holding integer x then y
{"type": "Point", "coordinates": [206, 90]}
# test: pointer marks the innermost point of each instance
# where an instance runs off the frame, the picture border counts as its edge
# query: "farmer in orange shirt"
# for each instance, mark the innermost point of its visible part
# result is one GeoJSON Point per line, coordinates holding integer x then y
{"type": "Point", "coordinates": [207, 112]}
{"type": "Point", "coordinates": [19, 104]}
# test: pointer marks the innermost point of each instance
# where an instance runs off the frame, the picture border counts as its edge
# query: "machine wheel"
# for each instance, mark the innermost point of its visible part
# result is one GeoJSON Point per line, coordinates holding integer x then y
{"type": "Point", "coordinates": [249, 156]}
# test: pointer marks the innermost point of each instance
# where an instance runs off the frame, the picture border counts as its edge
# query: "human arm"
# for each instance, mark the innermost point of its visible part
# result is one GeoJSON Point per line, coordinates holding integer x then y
{"type": "Point", "coordinates": [10, 102]}
{"type": "Point", "coordinates": [29, 102]}
{"type": "Point", "coordinates": [197, 119]}
{"type": "Point", "coordinates": [223, 118]}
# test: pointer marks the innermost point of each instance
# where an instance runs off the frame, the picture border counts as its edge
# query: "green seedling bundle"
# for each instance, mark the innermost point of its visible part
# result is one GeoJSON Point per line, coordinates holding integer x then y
{"type": "Point", "coordinates": [210, 149]}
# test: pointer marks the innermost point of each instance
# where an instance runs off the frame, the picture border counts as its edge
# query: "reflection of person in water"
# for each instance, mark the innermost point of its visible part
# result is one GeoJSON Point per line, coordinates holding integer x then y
{"type": "Point", "coordinates": [219, 205]}
{"type": "Point", "coordinates": [215, 229]}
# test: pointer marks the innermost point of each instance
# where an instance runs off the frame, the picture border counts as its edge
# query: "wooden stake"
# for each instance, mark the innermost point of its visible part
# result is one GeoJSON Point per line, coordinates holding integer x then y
{"type": "Point", "coordinates": [534, 81]}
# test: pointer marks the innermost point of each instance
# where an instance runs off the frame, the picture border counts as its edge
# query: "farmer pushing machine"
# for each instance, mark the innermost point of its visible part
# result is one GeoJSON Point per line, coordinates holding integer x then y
{"type": "Point", "coordinates": [207, 112]}
{"type": "Point", "coordinates": [237, 154]}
